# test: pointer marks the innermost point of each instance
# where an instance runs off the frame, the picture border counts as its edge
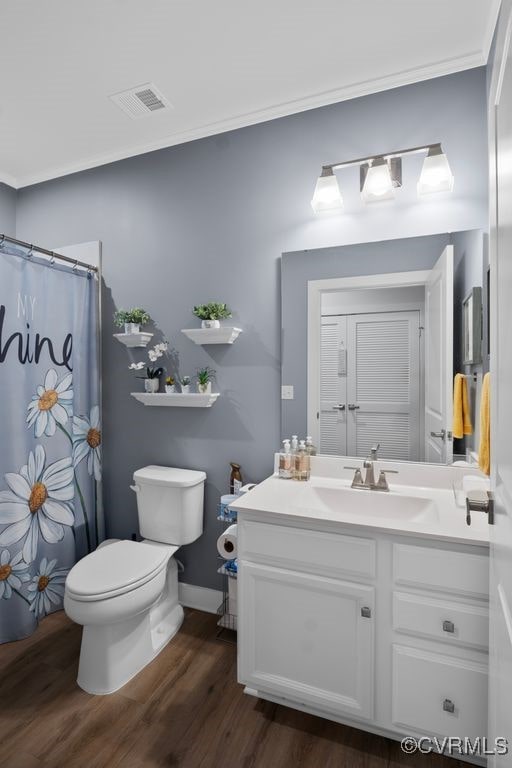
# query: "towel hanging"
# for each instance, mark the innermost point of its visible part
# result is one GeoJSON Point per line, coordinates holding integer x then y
{"type": "Point", "coordinates": [461, 414]}
{"type": "Point", "coordinates": [484, 451]}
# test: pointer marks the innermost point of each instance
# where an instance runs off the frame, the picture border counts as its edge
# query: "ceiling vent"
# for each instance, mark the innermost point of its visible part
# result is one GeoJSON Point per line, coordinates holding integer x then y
{"type": "Point", "coordinates": [141, 101]}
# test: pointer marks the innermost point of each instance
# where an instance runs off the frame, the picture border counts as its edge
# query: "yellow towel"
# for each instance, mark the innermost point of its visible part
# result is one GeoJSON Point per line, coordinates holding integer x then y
{"type": "Point", "coordinates": [484, 452]}
{"type": "Point", "coordinates": [461, 415]}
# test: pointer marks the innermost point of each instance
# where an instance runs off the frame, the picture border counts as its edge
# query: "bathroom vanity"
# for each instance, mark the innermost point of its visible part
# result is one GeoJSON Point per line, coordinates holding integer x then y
{"type": "Point", "coordinates": [366, 608]}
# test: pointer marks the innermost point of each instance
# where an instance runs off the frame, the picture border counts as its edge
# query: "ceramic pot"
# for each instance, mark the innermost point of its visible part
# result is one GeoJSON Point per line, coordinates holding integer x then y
{"type": "Point", "coordinates": [204, 389]}
{"type": "Point", "coordinates": [170, 388]}
{"type": "Point", "coordinates": [210, 324]}
{"type": "Point", "coordinates": [151, 385]}
{"type": "Point", "coordinates": [185, 388]}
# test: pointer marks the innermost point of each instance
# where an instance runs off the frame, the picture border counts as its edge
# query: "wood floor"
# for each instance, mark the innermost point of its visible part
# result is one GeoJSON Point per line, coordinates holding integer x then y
{"type": "Point", "coordinates": [185, 710]}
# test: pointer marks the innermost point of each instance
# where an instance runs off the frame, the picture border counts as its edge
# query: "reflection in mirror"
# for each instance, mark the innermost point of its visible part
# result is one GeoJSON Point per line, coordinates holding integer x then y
{"type": "Point", "coordinates": [373, 336]}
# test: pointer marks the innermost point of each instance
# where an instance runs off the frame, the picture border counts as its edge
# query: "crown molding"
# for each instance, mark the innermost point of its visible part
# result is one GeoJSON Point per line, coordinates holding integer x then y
{"type": "Point", "coordinates": [285, 109]}
{"type": "Point", "coordinates": [8, 180]}
{"type": "Point", "coordinates": [491, 26]}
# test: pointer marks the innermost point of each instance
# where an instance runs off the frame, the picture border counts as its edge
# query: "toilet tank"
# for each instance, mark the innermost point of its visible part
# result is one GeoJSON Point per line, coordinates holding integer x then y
{"type": "Point", "coordinates": [169, 503]}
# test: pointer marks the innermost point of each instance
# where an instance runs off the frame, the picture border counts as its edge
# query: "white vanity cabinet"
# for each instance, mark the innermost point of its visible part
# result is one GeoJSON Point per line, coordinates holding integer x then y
{"type": "Point", "coordinates": [375, 629]}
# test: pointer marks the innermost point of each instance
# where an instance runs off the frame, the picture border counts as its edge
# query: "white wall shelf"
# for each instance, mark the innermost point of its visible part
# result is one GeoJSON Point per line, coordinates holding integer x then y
{"type": "Point", "coordinates": [223, 335]}
{"type": "Point", "coordinates": [177, 399]}
{"type": "Point", "coordinates": [132, 340]}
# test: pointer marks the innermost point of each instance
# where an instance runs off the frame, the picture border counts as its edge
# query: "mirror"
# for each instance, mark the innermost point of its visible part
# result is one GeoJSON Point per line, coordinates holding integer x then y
{"type": "Point", "coordinates": [372, 337]}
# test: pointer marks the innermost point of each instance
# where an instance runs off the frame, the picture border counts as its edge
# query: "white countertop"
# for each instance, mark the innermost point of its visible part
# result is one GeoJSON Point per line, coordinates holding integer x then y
{"type": "Point", "coordinates": [435, 515]}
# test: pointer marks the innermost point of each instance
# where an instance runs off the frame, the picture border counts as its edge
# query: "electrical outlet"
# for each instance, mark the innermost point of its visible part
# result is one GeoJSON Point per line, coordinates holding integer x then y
{"type": "Point", "coordinates": [287, 392]}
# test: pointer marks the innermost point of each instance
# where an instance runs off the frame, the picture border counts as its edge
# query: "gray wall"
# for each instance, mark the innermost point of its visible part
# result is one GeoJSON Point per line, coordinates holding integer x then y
{"type": "Point", "coordinates": [209, 220]}
{"type": "Point", "coordinates": [298, 268]}
{"type": "Point", "coordinates": [7, 210]}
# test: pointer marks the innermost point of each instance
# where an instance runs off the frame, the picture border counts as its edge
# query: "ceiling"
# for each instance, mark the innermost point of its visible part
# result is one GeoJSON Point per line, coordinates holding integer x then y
{"type": "Point", "coordinates": [222, 65]}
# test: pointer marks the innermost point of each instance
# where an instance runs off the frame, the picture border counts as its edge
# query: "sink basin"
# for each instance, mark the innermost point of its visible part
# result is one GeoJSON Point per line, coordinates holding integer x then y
{"type": "Point", "coordinates": [374, 504]}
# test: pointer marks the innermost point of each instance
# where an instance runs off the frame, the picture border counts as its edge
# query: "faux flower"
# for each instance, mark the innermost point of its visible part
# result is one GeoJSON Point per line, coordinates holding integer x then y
{"type": "Point", "coordinates": [51, 405]}
{"type": "Point", "coordinates": [136, 366]}
{"type": "Point", "coordinates": [12, 573]}
{"type": "Point", "coordinates": [46, 587]}
{"type": "Point", "coordinates": [87, 441]}
{"type": "Point", "coordinates": [39, 500]}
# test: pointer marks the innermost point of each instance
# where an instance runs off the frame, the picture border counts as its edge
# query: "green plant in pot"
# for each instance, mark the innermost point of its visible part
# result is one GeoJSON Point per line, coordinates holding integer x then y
{"type": "Point", "coordinates": [152, 377]}
{"type": "Point", "coordinates": [204, 378]}
{"type": "Point", "coordinates": [210, 314]}
{"type": "Point", "coordinates": [185, 384]}
{"type": "Point", "coordinates": [131, 319]}
{"type": "Point", "coordinates": [170, 385]}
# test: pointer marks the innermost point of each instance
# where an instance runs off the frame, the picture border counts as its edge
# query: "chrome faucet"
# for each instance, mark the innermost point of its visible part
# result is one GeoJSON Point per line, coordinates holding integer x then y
{"type": "Point", "coordinates": [369, 483]}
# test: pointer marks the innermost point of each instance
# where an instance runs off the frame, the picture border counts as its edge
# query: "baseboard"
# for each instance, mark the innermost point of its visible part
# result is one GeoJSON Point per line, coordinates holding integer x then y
{"type": "Point", "coordinates": [201, 598]}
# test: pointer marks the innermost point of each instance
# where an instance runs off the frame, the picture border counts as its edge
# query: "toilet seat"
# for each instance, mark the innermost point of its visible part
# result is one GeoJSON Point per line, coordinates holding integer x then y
{"type": "Point", "coordinates": [117, 569]}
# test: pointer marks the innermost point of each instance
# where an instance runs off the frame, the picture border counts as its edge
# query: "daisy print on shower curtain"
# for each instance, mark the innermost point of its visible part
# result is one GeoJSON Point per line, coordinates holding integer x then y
{"type": "Point", "coordinates": [13, 572]}
{"type": "Point", "coordinates": [46, 587]}
{"type": "Point", "coordinates": [51, 405]}
{"type": "Point", "coordinates": [39, 502]}
{"type": "Point", "coordinates": [87, 442]}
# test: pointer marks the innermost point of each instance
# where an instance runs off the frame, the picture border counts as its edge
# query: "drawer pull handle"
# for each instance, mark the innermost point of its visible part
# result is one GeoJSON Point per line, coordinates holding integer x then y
{"type": "Point", "coordinates": [448, 626]}
{"type": "Point", "coordinates": [366, 612]}
{"type": "Point", "coordinates": [448, 705]}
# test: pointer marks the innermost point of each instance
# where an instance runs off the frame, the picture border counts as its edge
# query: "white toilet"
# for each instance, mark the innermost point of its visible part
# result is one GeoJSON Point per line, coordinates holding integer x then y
{"type": "Point", "coordinates": [126, 592]}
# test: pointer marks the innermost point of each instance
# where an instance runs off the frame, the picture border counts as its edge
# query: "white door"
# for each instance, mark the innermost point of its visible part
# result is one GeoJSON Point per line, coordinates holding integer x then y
{"type": "Point", "coordinates": [500, 659]}
{"type": "Point", "coordinates": [383, 384]}
{"type": "Point", "coordinates": [439, 360]}
{"type": "Point", "coordinates": [333, 386]}
{"type": "Point", "coordinates": [307, 638]}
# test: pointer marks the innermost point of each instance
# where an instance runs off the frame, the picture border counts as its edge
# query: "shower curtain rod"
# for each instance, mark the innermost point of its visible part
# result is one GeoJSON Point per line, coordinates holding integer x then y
{"type": "Point", "coordinates": [52, 254]}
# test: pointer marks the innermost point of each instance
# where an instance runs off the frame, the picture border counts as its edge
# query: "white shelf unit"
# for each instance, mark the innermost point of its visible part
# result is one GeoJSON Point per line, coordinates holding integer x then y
{"type": "Point", "coordinates": [132, 340]}
{"type": "Point", "coordinates": [223, 335]}
{"type": "Point", "coordinates": [177, 399]}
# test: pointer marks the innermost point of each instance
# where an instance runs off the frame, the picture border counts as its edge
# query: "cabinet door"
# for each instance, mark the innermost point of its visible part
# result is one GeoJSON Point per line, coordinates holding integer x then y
{"type": "Point", "coordinates": [307, 638]}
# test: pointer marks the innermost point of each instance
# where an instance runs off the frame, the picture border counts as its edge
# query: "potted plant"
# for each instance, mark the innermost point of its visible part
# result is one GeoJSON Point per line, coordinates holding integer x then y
{"type": "Point", "coordinates": [185, 384]}
{"type": "Point", "coordinates": [204, 380]}
{"type": "Point", "coordinates": [131, 319]}
{"type": "Point", "coordinates": [170, 385]}
{"type": "Point", "coordinates": [211, 313]}
{"type": "Point", "coordinates": [152, 377]}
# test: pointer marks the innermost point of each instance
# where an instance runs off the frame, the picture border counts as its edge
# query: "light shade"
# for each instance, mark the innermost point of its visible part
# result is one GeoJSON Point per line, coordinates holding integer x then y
{"type": "Point", "coordinates": [327, 195]}
{"type": "Point", "coordinates": [378, 184]}
{"type": "Point", "coordinates": [436, 174]}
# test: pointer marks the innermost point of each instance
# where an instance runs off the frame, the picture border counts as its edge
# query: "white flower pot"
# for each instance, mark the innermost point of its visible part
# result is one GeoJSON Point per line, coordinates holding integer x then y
{"type": "Point", "coordinates": [151, 385]}
{"type": "Point", "coordinates": [131, 328]}
{"type": "Point", "coordinates": [204, 389]}
{"type": "Point", "coordinates": [170, 388]}
{"type": "Point", "coordinates": [185, 388]}
{"type": "Point", "coordinates": [210, 324]}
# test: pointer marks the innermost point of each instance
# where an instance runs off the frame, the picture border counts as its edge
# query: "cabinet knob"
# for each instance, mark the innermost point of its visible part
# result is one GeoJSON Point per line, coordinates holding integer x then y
{"type": "Point", "coordinates": [366, 612]}
{"type": "Point", "coordinates": [448, 626]}
{"type": "Point", "coordinates": [448, 705]}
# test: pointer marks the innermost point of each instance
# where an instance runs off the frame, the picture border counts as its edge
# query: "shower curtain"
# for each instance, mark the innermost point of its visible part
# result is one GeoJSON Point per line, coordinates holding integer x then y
{"type": "Point", "coordinates": [50, 445]}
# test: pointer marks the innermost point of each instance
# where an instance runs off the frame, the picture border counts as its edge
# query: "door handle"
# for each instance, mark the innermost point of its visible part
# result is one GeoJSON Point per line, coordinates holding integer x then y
{"type": "Point", "coordinates": [340, 407]}
{"type": "Point", "coordinates": [448, 626]}
{"type": "Point", "coordinates": [448, 705]}
{"type": "Point", "coordinates": [441, 435]}
{"type": "Point", "coordinates": [353, 407]}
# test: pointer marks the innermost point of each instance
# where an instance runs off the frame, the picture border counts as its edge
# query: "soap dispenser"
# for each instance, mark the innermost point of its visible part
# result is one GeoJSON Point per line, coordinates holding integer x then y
{"type": "Point", "coordinates": [310, 448]}
{"type": "Point", "coordinates": [302, 463]}
{"type": "Point", "coordinates": [285, 461]}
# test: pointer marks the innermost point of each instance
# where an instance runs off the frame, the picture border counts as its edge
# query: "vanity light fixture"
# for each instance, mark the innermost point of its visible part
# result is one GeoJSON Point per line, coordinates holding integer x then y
{"type": "Point", "coordinates": [327, 195]}
{"type": "Point", "coordinates": [380, 175]}
{"type": "Point", "coordinates": [436, 174]}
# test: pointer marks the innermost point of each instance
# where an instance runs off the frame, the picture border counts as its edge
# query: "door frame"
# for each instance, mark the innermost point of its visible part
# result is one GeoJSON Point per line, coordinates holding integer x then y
{"type": "Point", "coordinates": [330, 285]}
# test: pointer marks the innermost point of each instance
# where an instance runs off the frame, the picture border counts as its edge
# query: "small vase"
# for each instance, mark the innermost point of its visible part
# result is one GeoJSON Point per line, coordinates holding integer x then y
{"type": "Point", "coordinates": [151, 385]}
{"type": "Point", "coordinates": [170, 388]}
{"type": "Point", "coordinates": [131, 328]}
{"type": "Point", "coordinates": [210, 324]}
{"type": "Point", "coordinates": [204, 389]}
{"type": "Point", "coordinates": [185, 389]}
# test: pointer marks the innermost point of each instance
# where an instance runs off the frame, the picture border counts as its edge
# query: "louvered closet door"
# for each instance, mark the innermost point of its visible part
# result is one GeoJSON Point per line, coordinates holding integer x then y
{"type": "Point", "coordinates": [333, 386]}
{"type": "Point", "coordinates": [383, 384]}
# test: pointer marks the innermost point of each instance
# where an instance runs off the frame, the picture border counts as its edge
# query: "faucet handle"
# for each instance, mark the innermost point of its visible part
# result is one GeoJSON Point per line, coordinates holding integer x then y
{"type": "Point", "coordinates": [373, 451]}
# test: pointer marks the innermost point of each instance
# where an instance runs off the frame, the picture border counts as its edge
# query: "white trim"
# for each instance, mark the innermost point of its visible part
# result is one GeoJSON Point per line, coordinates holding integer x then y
{"type": "Point", "coordinates": [315, 290]}
{"type": "Point", "coordinates": [201, 598]}
{"type": "Point", "coordinates": [313, 101]}
{"type": "Point", "coordinates": [8, 180]}
{"type": "Point", "coordinates": [491, 26]}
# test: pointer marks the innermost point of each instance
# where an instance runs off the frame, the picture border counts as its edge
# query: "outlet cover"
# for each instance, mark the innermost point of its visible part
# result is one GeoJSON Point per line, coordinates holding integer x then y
{"type": "Point", "coordinates": [287, 392]}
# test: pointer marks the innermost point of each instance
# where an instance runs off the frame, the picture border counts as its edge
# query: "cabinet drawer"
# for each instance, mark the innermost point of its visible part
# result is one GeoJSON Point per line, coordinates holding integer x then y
{"type": "Point", "coordinates": [301, 549]}
{"type": "Point", "coordinates": [439, 695]}
{"type": "Point", "coordinates": [444, 620]}
{"type": "Point", "coordinates": [441, 569]}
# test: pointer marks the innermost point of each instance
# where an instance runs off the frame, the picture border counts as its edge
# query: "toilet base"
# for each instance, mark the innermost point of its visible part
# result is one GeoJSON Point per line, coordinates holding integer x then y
{"type": "Point", "coordinates": [112, 654]}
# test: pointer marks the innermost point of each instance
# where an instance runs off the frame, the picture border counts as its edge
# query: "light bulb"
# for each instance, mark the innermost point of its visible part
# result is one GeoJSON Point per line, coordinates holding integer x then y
{"type": "Point", "coordinates": [327, 195]}
{"type": "Point", "coordinates": [378, 184]}
{"type": "Point", "coordinates": [436, 174]}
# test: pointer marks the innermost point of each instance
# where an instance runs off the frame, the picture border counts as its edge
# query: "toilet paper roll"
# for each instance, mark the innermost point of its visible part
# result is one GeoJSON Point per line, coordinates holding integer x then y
{"type": "Point", "coordinates": [227, 543]}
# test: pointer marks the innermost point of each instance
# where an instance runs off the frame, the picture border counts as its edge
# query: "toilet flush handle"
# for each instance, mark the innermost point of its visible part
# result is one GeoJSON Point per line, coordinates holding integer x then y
{"type": "Point", "coordinates": [135, 488]}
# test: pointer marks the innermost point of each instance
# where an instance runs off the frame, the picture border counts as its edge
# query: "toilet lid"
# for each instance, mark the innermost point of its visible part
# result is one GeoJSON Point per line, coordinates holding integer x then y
{"type": "Point", "coordinates": [116, 569]}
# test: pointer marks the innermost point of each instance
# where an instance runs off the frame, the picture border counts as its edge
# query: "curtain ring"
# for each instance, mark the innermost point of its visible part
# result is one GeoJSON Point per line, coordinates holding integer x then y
{"type": "Point", "coordinates": [52, 260]}
{"type": "Point", "coordinates": [29, 254]}
{"type": "Point", "coordinates": [2, 241]}
{"type": "Point", "coordinates": [75, 265]}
